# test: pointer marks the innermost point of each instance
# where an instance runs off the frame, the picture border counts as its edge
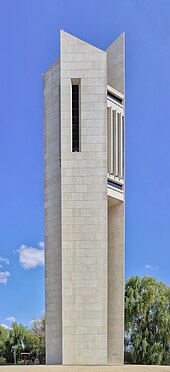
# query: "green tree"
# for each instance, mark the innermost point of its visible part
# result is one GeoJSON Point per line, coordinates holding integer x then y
{"type": "Point", "coordinates": [15, 337]}
{"type": "Point", "coordinates": [27, 340]}
{"type": "Point", "coordinates": [147, 321]}
{"type": "Point", "coordinates": [3, 339]}
{"type": "Point", "coordinates": [31, 345]}
{"type": "Point", "coordinates": [38, 330]}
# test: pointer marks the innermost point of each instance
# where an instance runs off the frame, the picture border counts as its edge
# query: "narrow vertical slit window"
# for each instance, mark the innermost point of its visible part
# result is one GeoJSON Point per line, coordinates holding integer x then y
{"type": "Point", "coordinates": [108, 141]}
{"type": "Point", "coordinates": [120, 140]}
{"type": "Point", "coordinates": [59, 137]}
{"type": "Point", "coordinates": [75, 118]}
{"type": "Point", "coordinates": [119, 143]}
{"type": "Point", "coordinates": [116, 144]}
{"type": "Point", "coordinates": [113, 139]}
{"type": "Point", "coordinates": [123, 145]}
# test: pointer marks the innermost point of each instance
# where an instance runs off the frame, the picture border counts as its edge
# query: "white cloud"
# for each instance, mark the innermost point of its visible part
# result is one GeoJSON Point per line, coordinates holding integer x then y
{"type": "Point", "coordinates": [4, 277]}
{"type": "Point", "coordinates": [10, 319]}
{"type": "Point", "coordinates": [30, 257]}
{"type": "Point", "coordinates": [41, 244]}
{"type": "Point", "coordinates": [150, 267]}
{"type": "Point", "coordinates": [5, 326]}
{"type": "Point", "coordinates": [4, 260]}
{"type": "Point", "coordinates": [147, 266]}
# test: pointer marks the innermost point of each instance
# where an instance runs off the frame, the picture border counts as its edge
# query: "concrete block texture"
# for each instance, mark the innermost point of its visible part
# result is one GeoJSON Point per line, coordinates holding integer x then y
{"type": "Point", "coordinates": [52, 216]}
{"type": "Point", "coordinates": [116, 64]}
{"type": "Point", "coordinates": [115, 332]}
{"type": "Point", "coordinates": [84, 234]}
{"type": "Point", "coordinates": [84, 343]}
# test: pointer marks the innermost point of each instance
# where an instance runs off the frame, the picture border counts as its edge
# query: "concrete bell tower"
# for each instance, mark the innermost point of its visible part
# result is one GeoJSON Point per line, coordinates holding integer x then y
{"type": "Point", "coordinates": [84, 204]}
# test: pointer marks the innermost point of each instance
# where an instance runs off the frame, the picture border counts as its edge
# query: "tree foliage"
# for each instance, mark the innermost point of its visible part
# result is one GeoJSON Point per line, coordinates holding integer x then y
{"type": "Point", "coordinates": [26, 339]}
{"type": "Point", "coordinates": [147, 327]}
{"type": "Point", "coordinates": [147, 321]}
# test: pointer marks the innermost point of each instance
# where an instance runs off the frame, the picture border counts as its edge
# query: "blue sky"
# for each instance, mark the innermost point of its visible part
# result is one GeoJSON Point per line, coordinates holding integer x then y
{"type": "Point", "coordinates": [29, 39]}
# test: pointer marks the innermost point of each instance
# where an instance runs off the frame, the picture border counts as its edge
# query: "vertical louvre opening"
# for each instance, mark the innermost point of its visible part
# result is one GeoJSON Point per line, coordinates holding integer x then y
{"type": "Point", "coordinates": [59, 109]}
{"type": "Point", "coordinates": [113, 140]}
{"type": "Point", "coordinates": [119, 145]}
{"type": "Point", "coordinates": [123, 146]}
{"type": "Point", "coordinates": [116, 153]}
{"type": "Point", "coordinates": [75, 118]}
{"type": "Point", "coordinates": [108, 141]}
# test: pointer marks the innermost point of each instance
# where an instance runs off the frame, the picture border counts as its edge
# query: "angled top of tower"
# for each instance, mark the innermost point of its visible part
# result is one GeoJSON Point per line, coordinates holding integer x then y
{"type": "Point", "coordinates": [116, 64]}
{"type": "Point", "coordinates": [68, 39]}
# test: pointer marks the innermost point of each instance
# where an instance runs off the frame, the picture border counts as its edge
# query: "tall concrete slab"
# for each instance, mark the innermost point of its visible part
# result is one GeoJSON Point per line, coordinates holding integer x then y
{"type": "Point", "coordinates": [52, 216]}
{"type": "Point", "coordinates": [84, 206]}
{"type": "Point", "coordinates": [116, 80]}
{"type": "Point", "coordinates": [115, 282]}
{"type": "Point", "coordinates": [116, 64]}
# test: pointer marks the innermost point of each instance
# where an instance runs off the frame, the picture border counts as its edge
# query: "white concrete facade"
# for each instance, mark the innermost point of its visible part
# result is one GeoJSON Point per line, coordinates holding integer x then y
{"type": "Point", "coordinates": [84, 205]}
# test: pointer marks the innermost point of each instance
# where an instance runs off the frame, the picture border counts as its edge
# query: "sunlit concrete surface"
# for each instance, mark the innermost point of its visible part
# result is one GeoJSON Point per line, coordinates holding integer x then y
{"type": "Point", "coordinates": [84, 204]}
{"type": "Point", "coordinates": [125, 368]}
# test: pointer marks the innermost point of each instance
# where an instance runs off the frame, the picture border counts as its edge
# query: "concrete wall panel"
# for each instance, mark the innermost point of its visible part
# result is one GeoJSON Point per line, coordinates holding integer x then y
{"type": "Point", "coordinates": [116, 64]}
{"type": "Point", "coordinates": [52, 216]}
{"type": "Point", "coordinates": [116, 284]}
{"type": "Point", "coordinates": [84, 201]}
